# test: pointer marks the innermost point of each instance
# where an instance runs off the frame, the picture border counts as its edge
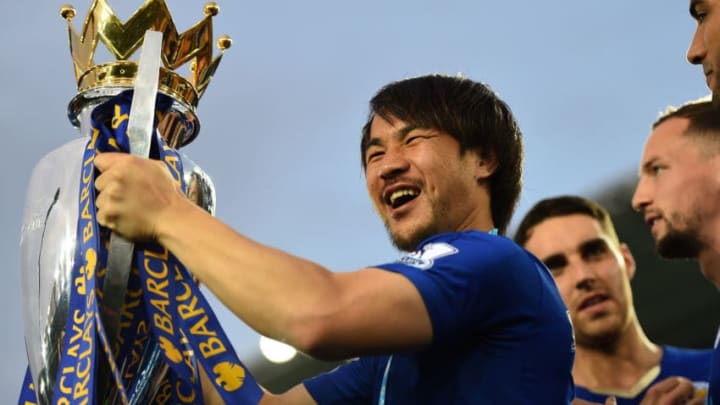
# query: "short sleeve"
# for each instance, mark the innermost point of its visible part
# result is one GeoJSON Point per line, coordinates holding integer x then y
{"type": "Point", "coordinates": [351, 383]}
{"type": "Point", "coordinates": [467, 281]}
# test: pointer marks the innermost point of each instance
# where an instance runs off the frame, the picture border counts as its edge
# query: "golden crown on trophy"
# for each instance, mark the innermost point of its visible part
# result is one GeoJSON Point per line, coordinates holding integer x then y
{"type": "Point", "coordinates": [96, 82]}
{"type": "Point", "coordinates": [122, 40]}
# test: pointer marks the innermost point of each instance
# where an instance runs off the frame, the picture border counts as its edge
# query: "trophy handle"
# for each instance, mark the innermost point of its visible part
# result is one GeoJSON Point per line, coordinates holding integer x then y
{"type": "Point", "coordinates": [200, 187]}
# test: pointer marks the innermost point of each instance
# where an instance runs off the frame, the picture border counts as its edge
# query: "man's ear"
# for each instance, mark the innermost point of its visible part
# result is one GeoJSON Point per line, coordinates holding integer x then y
{"type": "Point", "coordinates": [485, 165]}
{"type": "Point", "coordinates": [629, 260]}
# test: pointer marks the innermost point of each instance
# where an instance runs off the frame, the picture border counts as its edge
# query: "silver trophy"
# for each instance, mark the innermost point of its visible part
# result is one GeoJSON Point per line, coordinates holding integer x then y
{"type": "Point", "coordinates": [48, 237]}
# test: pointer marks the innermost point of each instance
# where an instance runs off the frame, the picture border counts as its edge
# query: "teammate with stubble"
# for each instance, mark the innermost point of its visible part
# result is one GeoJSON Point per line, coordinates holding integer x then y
{"type": "Point", "coordinates": [679, 190]}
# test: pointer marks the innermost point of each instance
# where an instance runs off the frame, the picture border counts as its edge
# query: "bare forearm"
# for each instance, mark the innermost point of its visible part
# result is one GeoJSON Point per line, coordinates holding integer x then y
{"type": "Point", "coordinates": [269, 289]}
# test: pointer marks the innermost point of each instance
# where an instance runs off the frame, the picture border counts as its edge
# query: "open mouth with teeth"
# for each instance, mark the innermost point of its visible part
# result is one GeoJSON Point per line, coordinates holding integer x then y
{"type": "Point", "coordinates": [401, 197]}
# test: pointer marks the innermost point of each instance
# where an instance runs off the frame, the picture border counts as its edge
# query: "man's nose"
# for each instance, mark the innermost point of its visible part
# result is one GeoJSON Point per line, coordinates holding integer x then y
{"type": "Point", "coordinates": [584, 276]}
{"type": "Point", "coordinates": [641, 196]}
{"type": "Point", "coordinates": [393, 165]}
{"type": "Point", "coordinates": [696, 52]}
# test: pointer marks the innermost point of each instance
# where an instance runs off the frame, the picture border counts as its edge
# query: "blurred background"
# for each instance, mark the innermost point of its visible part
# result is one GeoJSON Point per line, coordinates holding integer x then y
{"type": "Point", "coordinates": [282, 117]}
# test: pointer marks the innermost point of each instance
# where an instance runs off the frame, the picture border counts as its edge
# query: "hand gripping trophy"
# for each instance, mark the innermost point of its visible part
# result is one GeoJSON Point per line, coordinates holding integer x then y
{"type": "Point", "coordinates": [108, 321]}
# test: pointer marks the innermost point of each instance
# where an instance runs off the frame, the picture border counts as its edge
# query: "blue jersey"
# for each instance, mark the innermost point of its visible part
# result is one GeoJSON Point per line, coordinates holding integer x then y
{"type": "Point", "coordinates": [501, 333]}
{"type": "Point", "coordinates": [715, 374]}
{"type": "Point", "coordinates": [691, 364]}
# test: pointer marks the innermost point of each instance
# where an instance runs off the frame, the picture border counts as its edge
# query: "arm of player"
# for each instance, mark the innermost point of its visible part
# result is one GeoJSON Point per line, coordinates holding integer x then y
{"type": "Point", "coordinates": [280, 295]}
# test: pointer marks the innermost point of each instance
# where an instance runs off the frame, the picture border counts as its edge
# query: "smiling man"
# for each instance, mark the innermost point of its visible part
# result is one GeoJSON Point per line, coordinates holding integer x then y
{"type": "Point", "coordinates": [576, 240]}
{"type": "Point", "coordinates": [467, 318]}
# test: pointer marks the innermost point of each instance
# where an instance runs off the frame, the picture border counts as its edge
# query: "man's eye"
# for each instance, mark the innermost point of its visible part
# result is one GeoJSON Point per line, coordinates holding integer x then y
{"type": "Point", "coordinates": [698, 13]}
{"type": "Point", "coordinates": [414, 139]}
{"type": "Point", "coordinates": [555, 265]}
{"type": "Point", "coordinates": [595, 250]}
{"type": "Point", "coordinates": [373, 155]}
{"type": "Point", "coordinates": [657, 169]}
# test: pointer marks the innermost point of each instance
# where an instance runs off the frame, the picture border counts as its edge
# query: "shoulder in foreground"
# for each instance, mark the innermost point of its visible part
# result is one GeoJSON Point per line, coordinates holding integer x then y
{"type": "Point", "coordinates": [498, 243]}
{"type": "Point", "coordinates": [481, 245]}
{"type": "Point", "coordinates": [681, 352]}
{"type": "Point", "coordinates": [685, 352]}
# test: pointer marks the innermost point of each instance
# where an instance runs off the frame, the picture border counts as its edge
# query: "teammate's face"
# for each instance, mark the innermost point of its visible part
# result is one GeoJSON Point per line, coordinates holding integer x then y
{"type": "Point", "coordinates": [678, 189]}
{"type": "Point", "coordinates": [705, 45]}
{"type": "Point", "coordinates": [420, 183]}
{"type": "Point", "coordinates": [592, 272]}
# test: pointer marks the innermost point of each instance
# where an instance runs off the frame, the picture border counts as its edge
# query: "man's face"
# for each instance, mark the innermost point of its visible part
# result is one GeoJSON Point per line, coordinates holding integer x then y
{"type": "Point", "coordinates": [420, 183]}
{"type": "Point", "coordinates": [705, 46]}
{"type": "Point", "coordinates": [678, 189]}
{"type": "Point", "coordinates": [592, 273]}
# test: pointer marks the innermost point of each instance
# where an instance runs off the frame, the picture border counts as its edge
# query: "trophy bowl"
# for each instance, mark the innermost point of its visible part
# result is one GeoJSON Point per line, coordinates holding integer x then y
{"type": "Point", "coordinates": [48, 244]}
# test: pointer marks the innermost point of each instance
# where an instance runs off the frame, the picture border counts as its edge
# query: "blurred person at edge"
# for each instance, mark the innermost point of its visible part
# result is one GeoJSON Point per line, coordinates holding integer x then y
{"type": "Point", "coordinates": [704, 47]}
